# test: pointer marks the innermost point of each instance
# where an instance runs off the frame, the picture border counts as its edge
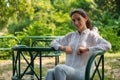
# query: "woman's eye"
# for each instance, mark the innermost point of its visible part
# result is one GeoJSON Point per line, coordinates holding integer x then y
{"type": "Point", "coordinates": [73, 20]}
{"type": "Point", "coordinates": [78, 19]}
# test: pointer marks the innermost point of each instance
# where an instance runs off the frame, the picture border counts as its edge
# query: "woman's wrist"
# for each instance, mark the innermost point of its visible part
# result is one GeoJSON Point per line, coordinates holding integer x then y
{"type": "Point", "coordinates": [62, 48]}
{"type": "Point", "coordinates": [87, 49]}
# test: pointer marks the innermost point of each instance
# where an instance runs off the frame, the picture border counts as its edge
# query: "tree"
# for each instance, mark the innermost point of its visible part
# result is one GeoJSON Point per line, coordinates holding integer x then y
{"type": "Point", "coordinates": [13, 11]}
{"type": "Point", "coordinates": [112, 6]}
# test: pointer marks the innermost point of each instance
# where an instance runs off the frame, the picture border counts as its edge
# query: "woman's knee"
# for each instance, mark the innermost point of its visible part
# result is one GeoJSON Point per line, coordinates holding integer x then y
{"type": "Point", "coordinates": [49, 75]}
{"type": "Point", "coordinates": [50, 71]}
{"type": "Point", "coordinates": [59, 67]}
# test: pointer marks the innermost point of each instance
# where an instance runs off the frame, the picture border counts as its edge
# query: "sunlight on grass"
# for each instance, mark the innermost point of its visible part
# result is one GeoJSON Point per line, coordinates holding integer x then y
{"type": "Point", "coordinates": [112, 55]}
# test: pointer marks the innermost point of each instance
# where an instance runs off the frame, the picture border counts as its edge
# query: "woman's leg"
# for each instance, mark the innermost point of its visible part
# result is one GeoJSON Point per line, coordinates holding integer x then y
{"type": "Point", "coordinates": [60, 73]}
{"type": "Point", "coordinates": [64, 72]}
{"type": "Point", "coordinates": [50, 75]}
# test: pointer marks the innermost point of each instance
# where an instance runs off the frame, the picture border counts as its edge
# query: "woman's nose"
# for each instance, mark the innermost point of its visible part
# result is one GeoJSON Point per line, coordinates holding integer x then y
{"type": "Point", "coordinates": [76, 22]}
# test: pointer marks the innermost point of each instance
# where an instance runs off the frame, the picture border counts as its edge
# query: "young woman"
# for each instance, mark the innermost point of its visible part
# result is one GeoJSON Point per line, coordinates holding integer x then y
{"type": "Point", "coordinates": [78, 46]}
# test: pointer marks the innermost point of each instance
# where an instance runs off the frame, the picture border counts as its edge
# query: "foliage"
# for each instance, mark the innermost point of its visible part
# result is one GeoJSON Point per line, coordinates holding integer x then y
{"type": "Point", "coordinates": [13, 11]}
{"type": "Point", "coordinates": [111, 35]}
{"type": "Point", "coordinates": [5, 46]}
{"type": "Point", "coordinates": [51, 17]}
{"type": "Point", "coordinates": [109, 28]}
{"type": "Point", "coordinates": [112, 6]}
{"type": "Point", "coordinates": [16, 27]}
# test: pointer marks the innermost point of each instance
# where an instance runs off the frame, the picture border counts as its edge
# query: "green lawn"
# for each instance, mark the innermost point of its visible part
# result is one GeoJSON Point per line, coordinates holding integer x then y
{"type": "Point", "coordinates": [112, 66]}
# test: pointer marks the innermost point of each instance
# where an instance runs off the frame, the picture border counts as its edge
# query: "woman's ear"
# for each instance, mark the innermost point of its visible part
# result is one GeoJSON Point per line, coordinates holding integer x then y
{"type": "Point", "coordinates": [86, 18]}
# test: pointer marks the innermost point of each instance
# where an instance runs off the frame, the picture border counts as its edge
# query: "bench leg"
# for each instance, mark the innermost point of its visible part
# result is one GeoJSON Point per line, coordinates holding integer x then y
{"type": "Point", "coordinates": [56, 60]}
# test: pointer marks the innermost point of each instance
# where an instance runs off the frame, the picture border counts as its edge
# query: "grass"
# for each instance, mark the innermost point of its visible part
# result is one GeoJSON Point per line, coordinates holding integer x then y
{"type": "Point", "coordinates": [112, 67]}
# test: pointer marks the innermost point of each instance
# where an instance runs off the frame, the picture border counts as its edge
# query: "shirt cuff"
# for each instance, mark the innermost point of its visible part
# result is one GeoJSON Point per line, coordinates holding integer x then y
{"type": "Point", "coordinates": [56, 47]}
{"type": "Point", "coordinates": [91, 49]}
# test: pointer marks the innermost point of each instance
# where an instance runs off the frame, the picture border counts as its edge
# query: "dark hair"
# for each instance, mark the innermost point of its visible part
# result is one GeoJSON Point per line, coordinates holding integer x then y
{"type": "Point", "coordinates": [83, 14]}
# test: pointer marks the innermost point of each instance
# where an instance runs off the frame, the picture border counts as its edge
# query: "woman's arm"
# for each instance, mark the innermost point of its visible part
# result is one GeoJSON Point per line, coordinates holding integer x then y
{"type": "Point", "coordinates": [62, 41]}
{"type": "Point", "coordinates": [62, 44]}
{"type": "Point", "coordinates": [100, 43]}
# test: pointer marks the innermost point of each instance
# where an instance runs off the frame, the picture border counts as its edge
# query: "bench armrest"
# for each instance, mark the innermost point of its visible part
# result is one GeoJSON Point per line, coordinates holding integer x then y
{"type": "Point", "coordinates": [90, 61]}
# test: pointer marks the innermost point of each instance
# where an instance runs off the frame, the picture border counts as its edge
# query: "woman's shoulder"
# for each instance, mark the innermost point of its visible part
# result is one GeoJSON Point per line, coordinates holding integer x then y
{"type": "Point", "coordinates": [93, 33]}
{"type": "Point", "coordinates": [71, 33]}
{"type": "Point", "coordinates": [95, 29]}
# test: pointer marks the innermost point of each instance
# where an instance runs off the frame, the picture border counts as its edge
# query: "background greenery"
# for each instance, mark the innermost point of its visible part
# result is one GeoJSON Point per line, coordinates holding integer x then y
{"type": "Point", "coordinates": [51, 17]}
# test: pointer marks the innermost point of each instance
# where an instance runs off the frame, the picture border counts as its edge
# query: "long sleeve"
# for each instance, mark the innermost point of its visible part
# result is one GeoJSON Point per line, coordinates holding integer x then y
{"type": "Point", "coordinates": [62, 41]}
{"type": "Point", "coordinates": [100, 43]}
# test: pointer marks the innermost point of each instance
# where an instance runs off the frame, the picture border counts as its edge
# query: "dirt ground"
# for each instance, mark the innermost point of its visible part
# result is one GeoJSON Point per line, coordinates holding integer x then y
{"type": "Point", "coordinates": [6, 66]}
{"type": "Point", "coordinates": [112, 67]}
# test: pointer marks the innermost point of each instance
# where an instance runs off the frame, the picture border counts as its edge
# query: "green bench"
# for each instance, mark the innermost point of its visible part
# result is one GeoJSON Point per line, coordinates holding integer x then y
{"type": "Point", "coordinates": [27, 40]}
{"type": "Point", "coordinates": [6, 42]}
{"type": "Point", "coordinates": [46, 43]}
{"type": "Point", "coordinates": [92, 60]}
{"type": "Point", "coordinates": [19, 52]}
{"type": "Point", "coordinates": [42, 41]}
{"type": "Point", "coordinates": [18, 74]}
{"type": "Point", "coordinates": [36, 42]}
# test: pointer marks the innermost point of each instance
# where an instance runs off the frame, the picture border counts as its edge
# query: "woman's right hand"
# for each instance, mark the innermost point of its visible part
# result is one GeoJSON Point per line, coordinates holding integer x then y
{"type": "Point", "coordinates": [82, 50]}
{"type": "Point", "coordinates": [66, 49]}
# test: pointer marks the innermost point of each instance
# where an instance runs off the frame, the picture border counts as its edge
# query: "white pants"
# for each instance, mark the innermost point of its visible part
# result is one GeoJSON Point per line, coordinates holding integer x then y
{"type": "Point", "coordinates": [64, 72]}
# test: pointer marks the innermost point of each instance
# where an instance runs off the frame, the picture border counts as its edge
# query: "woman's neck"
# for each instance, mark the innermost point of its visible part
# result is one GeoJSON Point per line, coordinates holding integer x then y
{"type": "Point", "coordinates": [81, 30]}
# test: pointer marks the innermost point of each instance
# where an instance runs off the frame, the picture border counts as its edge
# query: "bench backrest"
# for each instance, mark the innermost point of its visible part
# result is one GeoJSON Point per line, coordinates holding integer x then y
{"type": "Point", "coordinates": [100, 71]}
{"type": "Point", "coordinates": [37, 41]}
{"type": "Point", "coordinates": [6, 42]}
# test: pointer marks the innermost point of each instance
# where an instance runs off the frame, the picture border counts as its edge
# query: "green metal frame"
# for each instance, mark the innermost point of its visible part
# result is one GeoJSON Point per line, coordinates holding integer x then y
{"type": "Point", "coordinates": [31, 38]}
{"type": "Point", "coordinates": [34, 40]}
{"type": "Point", "coordinates": [89, 65]}
{"type": "Point", "coordinates": [46, 43]}
{"type": "Point", "coordinates": [18, 52]}
{"type": "Point", "coordinates": [18, 75]}
{"type": "Point", "coordinates": [9, 38]}
{"type": "Point", "coordinates": [46, 40]}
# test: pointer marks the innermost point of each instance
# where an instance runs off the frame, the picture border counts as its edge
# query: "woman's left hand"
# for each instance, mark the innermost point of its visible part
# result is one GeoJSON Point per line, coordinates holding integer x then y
{"type": "Point", "coordinates": [82, 50]}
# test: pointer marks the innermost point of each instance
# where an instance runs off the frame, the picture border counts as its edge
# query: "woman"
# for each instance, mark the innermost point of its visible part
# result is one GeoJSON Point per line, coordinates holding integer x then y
{"type": "Point", "coordinates": [78, 47]}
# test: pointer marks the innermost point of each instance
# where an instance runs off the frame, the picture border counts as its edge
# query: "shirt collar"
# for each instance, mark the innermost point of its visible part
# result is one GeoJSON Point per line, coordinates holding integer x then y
{"type": "Point", "coordinates": [84, 32]}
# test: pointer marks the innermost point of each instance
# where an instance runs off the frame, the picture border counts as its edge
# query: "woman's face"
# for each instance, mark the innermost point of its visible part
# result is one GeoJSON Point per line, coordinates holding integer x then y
{"type": "Point", "coordinates": [79, 22]}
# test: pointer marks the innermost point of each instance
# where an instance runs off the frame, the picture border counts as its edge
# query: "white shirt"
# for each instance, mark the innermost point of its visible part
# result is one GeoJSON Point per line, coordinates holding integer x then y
{"type": "Point", "coordinates": [90, 39]}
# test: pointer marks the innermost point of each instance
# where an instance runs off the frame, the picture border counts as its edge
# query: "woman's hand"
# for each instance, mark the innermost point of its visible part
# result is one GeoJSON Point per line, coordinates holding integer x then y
{"type": "Point", "coordinates": [82, 50]}
{"type": "Point", "coordinates": [66, 49]}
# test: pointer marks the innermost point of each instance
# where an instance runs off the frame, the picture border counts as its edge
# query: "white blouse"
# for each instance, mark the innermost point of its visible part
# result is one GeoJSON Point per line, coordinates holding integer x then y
{"type": "Point", "coordinates": [90, 39]}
